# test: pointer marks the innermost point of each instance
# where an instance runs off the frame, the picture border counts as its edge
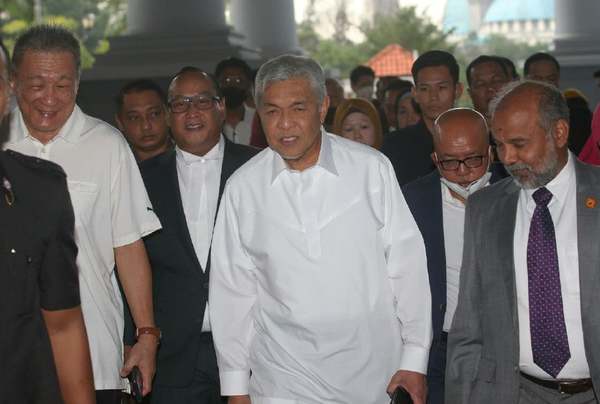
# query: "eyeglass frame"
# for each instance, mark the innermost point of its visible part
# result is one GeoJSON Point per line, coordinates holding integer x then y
{"type": "Point", "coordinates": [441, 163]}
{"type": "Point", "coordinates": [189, 101]}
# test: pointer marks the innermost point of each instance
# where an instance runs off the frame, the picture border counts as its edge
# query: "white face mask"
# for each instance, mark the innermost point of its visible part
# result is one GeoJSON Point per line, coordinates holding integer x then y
{"type": "Point", "coordinates": [365, 92]}
{"type": "Point", "coordinates": [473, 187]}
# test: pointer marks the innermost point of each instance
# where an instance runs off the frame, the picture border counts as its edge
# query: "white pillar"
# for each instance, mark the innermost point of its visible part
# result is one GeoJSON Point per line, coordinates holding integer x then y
{"type": "Point", "coordinates": [174, 16]}
{"type": "Point", "coordinates": [267, 25]}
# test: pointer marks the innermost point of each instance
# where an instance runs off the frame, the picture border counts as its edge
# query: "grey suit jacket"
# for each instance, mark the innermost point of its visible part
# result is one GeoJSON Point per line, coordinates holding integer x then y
{"type": "Point", "coordinates": [483, 344]}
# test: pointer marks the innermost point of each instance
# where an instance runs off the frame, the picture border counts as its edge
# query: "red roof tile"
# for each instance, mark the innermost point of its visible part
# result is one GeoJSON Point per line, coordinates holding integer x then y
{"type": "Point", "coordinates": [393, 60]}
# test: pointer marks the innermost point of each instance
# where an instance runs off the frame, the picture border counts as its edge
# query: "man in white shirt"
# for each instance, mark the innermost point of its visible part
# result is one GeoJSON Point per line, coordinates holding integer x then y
{"type": "Point", "coordinates": [526, 327]}
{"type": "Point", "coordinates": [185, 186]}
{"type": "Point", "coordinates": [112, 210]}
{"type": "Point", "coordinates": [462, 155]}
{"type": "Point", "coordinates": [318, 291]}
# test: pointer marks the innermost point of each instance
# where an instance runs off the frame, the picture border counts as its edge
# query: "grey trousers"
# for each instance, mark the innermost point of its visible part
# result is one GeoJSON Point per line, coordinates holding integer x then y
{"type": "Point", "coordinates": [531, 393]}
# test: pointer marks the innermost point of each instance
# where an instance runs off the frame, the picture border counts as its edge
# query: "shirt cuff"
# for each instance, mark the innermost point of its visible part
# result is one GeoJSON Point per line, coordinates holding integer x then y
{"type": "Point", "coordinates": [234, 382]}
{"type": "Point", "coordinates": [414, 358]}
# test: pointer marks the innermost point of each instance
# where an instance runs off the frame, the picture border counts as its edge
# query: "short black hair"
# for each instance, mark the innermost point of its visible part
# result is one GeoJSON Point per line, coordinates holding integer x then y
{"type": "Point", "coordinates": [436, 58]}
{"type": "Point", "coordinates": [539, 57]}
{"type": "Point", "coordinates": [137, 86]}
{"type": "Point", "coordinates": [398, 85]}
{"type": "Point", "coordinates": [479, 60]}
{"type": "Point", "coordinates": [194, 69]}
{"type": "Point", "coordinates": [597, 74]}
{"type": "Point", "coordinates": [510, 67]}
{"type": "Point", "coordinates": [234, 62]}
{"type": "Point", "coordinates": [46, 38]}
{"type": "Point", "coordinates": [360, 71]}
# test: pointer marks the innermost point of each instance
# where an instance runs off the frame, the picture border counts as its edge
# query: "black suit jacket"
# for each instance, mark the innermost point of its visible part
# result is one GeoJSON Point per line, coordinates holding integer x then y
{"type": "Point", "coordinates": [180, 286]}
{"type": "Point", "coordinates": [409, 151]}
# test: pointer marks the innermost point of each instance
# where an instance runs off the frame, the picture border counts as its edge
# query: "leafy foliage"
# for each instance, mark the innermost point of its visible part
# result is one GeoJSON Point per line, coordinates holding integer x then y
{"type": "Point", "coordinates": [92, 21]}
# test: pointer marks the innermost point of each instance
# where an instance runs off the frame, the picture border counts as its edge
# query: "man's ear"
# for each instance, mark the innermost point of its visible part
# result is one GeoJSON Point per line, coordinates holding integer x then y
{"type": "Point", "coordinates": [323, 109]}
{"type": "Point", "coordinates": [458, 90]}
{"type": "Point", "coordinates": [119, 122]}
{"type": "Point", "coordinates": [561, 132]}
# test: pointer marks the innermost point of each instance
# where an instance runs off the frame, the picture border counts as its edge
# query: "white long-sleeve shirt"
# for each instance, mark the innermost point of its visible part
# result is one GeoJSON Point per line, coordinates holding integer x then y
{"type": "Point", "coordinates": [318, 282]}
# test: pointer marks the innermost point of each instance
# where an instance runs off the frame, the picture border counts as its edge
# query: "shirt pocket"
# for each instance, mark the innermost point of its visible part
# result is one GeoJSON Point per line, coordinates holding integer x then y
{"type": "Point", "coordinates": [83, 196]}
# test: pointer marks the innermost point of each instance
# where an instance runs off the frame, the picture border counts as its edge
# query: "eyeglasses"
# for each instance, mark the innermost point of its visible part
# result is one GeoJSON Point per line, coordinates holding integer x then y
{"type": "Point", "coordinates": [200, 102]}
{"type": "Point", "coordinates": [469, 162]}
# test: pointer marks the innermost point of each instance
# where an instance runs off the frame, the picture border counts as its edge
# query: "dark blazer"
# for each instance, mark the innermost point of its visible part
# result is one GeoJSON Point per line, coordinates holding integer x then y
{"type": "Point", "coordinates": [483, 345]}
{"type": "Point", "coordinates": [180, 287]}
{"type": "Point", "coordinates": [424, 198]}
{"type": "Point", "coordinates": [409, 151]}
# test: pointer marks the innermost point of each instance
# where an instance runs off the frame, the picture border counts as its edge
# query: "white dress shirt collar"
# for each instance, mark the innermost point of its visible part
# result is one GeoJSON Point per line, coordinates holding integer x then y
{"type": "Point", "coordinates": [71, 131]}
{"type": "Point", "coordinates": [213, 154]}
{"type": "Point", "coordinates": [325, 160]}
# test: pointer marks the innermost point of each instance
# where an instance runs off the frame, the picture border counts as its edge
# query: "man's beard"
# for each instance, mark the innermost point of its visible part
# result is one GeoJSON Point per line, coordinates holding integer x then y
{"type": "Point", "coordinates": [549, 170]}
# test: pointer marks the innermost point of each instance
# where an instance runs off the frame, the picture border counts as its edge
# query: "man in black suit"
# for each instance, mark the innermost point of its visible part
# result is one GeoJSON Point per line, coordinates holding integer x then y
{"type": "Point", "coordinates": [436, 89]}
{"type": "Point", "coordinates": [462, 155]}
{"type": "Point", "coordinates": [185, 186]}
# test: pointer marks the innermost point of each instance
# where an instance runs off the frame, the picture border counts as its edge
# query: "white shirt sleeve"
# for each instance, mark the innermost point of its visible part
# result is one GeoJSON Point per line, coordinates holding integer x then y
{"type": "Point", "coordinates": [131, 210]}
{"type": "Point", "coordinates": [232, 295]}
{"type": "Point", "coordinates": [407, 270]}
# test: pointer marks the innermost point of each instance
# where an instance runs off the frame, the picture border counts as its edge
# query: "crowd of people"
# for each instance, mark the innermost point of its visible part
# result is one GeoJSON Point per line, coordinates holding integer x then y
{"type": "Point", "coordinates": [258, 237]}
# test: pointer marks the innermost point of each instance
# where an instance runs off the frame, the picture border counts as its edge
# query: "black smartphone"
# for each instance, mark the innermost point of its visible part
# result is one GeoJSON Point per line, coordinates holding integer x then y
{"type": "Point", "coordinates": [401, 396]}
{"type": "Point", "coordinates": [137, 385]}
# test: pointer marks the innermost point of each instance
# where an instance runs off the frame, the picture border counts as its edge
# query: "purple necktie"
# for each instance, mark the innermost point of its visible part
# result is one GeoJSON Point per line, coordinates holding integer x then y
{"type": "Point", "coordinates": [549, 341]}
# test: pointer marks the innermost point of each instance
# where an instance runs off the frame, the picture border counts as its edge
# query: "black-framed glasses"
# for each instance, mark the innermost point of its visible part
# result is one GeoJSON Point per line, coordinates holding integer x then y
{"type": "Point", "coordinates": [200, 102]}
{"type": "Point", "coordinates": [469, 162]}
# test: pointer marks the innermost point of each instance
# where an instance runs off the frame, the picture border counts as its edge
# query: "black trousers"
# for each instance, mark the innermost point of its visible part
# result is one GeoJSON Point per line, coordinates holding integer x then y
{"type": "Point", "coordinates": [204, 388]}
{"type": "Point", "coordinates": [108, 396]}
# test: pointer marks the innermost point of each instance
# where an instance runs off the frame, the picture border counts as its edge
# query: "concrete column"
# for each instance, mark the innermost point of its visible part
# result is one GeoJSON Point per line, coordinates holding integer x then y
{"type": "Point", "coordinates": [576, 44]}
{"type": "Point", "coordinates": [577, 20]}
{"type": "Point", "coordinates": [268, 25]}
{"type": "Point", "coordinates": [175, 16]}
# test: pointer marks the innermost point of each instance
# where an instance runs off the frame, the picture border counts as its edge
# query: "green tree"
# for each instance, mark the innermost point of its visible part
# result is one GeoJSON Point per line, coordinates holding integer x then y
{"type": "Point", "coordinates": [405, 28]}
{"type": "Point", "coordinates": [90, 20]}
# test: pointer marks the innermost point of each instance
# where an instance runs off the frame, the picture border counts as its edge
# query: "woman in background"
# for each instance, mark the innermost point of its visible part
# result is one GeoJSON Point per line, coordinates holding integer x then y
{"type": "Point", "coordinates": [358, 120]}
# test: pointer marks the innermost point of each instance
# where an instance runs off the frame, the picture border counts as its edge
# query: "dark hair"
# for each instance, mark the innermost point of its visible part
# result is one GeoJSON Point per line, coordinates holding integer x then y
{"type": "Point", "coordinates": [479, 60]}
{"type": "Point", "coordinates": [234, 62]}
{"type": "Point", "coordinates": [509, 66]}
{"type": "Point", "coordinates": [398, 85]}
{"type": "Point", "coordinates": [46, 38]}
{"type": "Point", "coordinates": [138, 86]}
{"type": "Point", "coordinates": [539, 57]}
{"type": "Point", "coordinates": [194, 69]}
{"type": "Point", "coordinates": [597, 74]}
{"type": "Point", "coordinates": [436, 58]}
{"type": "Point", "coordinates": [360, 71]}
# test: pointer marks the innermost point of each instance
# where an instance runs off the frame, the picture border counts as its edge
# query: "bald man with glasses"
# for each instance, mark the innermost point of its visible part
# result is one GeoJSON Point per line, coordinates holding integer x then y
{"type": "Point", "coordinates": [462, 156]}
{"type": "Point", "coordinates": [185, 186]}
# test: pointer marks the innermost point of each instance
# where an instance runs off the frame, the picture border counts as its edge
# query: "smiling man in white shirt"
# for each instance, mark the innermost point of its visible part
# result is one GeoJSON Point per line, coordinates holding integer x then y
{"type": "Point", "coordinates": [112, 209]}
{"type": "Point", "coordinates": [318, 291]}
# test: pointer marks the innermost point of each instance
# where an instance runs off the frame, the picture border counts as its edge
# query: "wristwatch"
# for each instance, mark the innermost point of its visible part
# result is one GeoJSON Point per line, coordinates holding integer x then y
{"type": "Point", "coordinates": [148, 330]}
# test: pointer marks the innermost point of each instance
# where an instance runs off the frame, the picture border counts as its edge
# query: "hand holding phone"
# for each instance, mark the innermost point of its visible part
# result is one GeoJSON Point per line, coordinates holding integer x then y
{"type": "Point", "coordinates": [401, 396]}
{"type": "Point", "coordinates": [137, 385]}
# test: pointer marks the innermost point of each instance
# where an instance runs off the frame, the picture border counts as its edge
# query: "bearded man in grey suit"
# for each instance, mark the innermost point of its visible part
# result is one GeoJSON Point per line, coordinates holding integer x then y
{"type": "Point", "coordinates": [527, 326]}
